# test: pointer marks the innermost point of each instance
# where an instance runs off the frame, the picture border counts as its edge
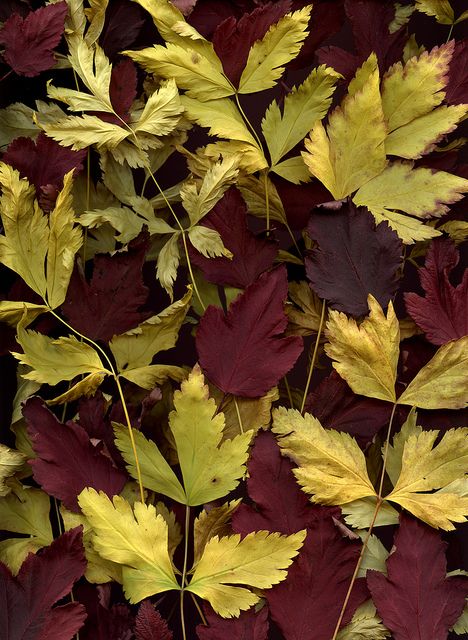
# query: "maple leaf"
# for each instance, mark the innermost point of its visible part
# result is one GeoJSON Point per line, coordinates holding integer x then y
{"type": "Point", "coordinates": [251, 255]}
{"type": "Point", "coordinates": [442, 312]}
{"type": "Point", "coordinates": [243, 352]}
{"type": "Point", "coordinates": [43, 580]}
{"type": "Point", "coordinates": [250, 625]}
{"type": "Point", "coordinates": [104, 307]}
{"type": "Point", "coordinates": [29, 41]}
{"type": "Point", "coordinates": [44, 163]}
{"type": "Point", "coordinates": [149, 624]}
{"type": "Point", "coordinates": [365, 259]}
{"type": "Point", "coordinates": [210, 468]}
{"type": "Point", "coordinates": [232, 39]}
{"type": "Point", "coordinates": [417, 601]}
{"type": "Point", "coordinates": [66, 460]}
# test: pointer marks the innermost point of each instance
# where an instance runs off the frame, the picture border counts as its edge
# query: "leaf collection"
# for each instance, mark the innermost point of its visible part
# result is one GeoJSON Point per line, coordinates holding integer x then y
{"type": "Point", "coordinates": [233, 320]}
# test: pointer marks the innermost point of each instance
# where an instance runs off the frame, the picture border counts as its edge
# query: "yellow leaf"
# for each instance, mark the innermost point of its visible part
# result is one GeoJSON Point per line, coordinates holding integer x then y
{"type": "Point", "coordinates": [360, 513]}
{"type": "Point", "coordinates": [23, 248]}
{"type": "Point", "coordinates": [293, 169]}
{"type": "Point", "coordinates": [201, 77]}
{"type": "Point", "coordinates": [11, 461]}
{"type": "Point", "coordinates": [303, 106]}
{"type": "Point", "coordinates": [168, 263]}
{"type": "Point", "coordinates": [442, 382]}
{"type": "Point", "coordinates": [16, 121]}
{"type": "Point", "coordinates": [426, 468]}
{"type": "Point", "coordinates": [249, 158]}
{"type": "Point", "coordinates": [208, 524]}
{"type": "Point", "coordinates": [137, 347]}
{"type": "Point", "coordinates": [395, 451]}
{"type": "Point", "coordinates": [208, 242]}
{"type": "Point", "coordinates": [364, 624]}
{"type": "Point", "coordinates": [414, 89]}
{"type": "Point", "coordinates": [85, 387]}
{"type": "Point", "coordinates": [11, 311]}
{"type": "Point", "coordinates": [199, 199]}
{"type": "Point", "coordinates": [96, 15]}
{"type": "Point", "coordinates": [304, 317]}
{"type": "Point", "coordinates": [259, 560]}
{"type": "Point", "coordinates": [162, 112]}
{"type": "Point", "coordinates": [417, 192]}
{"type": "Point", "coordinates": [420, 136]}
{"type": "Point", "coordinates": [79, 132]}
{"type": "Point", "coordinates": [135, 538]}
{"type": "Point", "coordinates": [254, 191]}
{"type": "Point", "coordinates": [94, 69]}
{"type": "Point", "coordinates": [366, 356]}
{"type": "Point", "coordinates": [351, 151]}
{"type": "Point", "coordinates": [154, 374]}
{"type": "Point", "coordinates": [65, 241]}
{"type": "Point", "coordinates": [440, 9]}
{"type": "Point", "coordinates": [402, 15]}
{"type": "Point", "coordinates": [375, 555]}
{"type": "Point", "coordinates": [267, 57]}
{"type": "Point", "coordinates": [456, 229]}
{"type": "Point", "coordinates": [221, 117]}
{"type": "Point", "coordinates": [53, 360]}
{"type": "Point", "coordinates": [332, 467]}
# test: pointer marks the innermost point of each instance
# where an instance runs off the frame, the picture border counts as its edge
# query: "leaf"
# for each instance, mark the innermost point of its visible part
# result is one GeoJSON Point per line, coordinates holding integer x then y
{"type": "Point", "coordinates": [259, 560]}
{"type": "Point", "coordinates": [168, 263]}
{"type": "Point", "coordinates": [331, 465]}
{"type": "Point", "coordinates": [210, 468]}
{"type": "Point", "coordinates": [416, 600]}
{"type": "Point", "coordinates": [457, 86]}
{"type": "Point", "coordinates": [364, 624]}
{"type": "Point", "coordinates": [366, 356]}
{"type": "Point", "coordinates": [365, 259]}
{"type": "Point", "coordinates": [441, 312]}
{"type": "Point", "coordinates": [137, 347]}
{"type": "Point", "coordinates": [52, 361]}
{"type": "Point", "coordinates": [350, 152]}
{"type": "Point", "coordinates": [250, 625]}
{"type": "Point", "coordinates": [425, 469]}
{"type": "Point", "coordinates": [26, 511]}
{"type": "Point", "coordinates": [109, 304]}
{"type": "Point", "coordinates": [201, 76]}
{"type": "Point", "coordinates": [303, 106]}
{"type": "Point", "coordinates": [42, 581]}
{"type": "Point", "coordinates": [210, 523]}
{"type": "Point", "coordinates": [29, 42]}
{"type": "Point", "coordinates": [267, 57]}
{"type": "Point", "coordinates": [11, 461]}
{"type": "Point", "coordinates": [150, 625]}
{"type": "Point", "coordinates": [135, 538]}
{"type": "Point", "coordinates": [441, 383]}
{"type": "Point", "coordinates": [66, 461]}
{"type": "Point", "coordinates": [79, 132]}
{"type": "Point", "coordinates": [162, 112]}
{"type": "Point", "coordinates": [251, 255]}
{"type": "Point", "coordinates": [440, 9]}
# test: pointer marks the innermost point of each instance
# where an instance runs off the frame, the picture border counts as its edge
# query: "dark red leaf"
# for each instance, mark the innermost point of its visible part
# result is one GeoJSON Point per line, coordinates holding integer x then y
{"type": "Point", "coordinates": [44, 163]}
{"type": "Point", "coordinates": [233, 38]}
{"type": "Point", "coordinates": [67, 462]}
{"type": "Point", "coordinates": [208, 14]}
{"type": "Point", "coordinates": [8, 7]}
{"type": "Point", "coordinates": [109, 304]}
{"type": "Point", "coordinates": [252, 255]}
{"type": "Point", "coordinates": [149, 624]}
{"type": "Point", "coordinates": [443, 312]}
{"type": "Point", "coordinates": [244, 351]}
{"type": "Point", "coordinates": [280, 505]}
{"type": "Point", "coordinates": [185, 6]}
{"type": "Point", "coordinates": [417, 601]}
{"type": "Point", "coordinates": [337, 407]}
{"type": "Point", "coordinates": [354, 257]}
{"type": "Point", "coordinates": [29, 42]}
{"type": "Point", "coordinates": [457, 88]}
{"type": "Point", "coordinates": [248, 626]}
{"type": "Point", "coordinates": [299, 200]}
{"type": "Point", "coordinates": [44, 578]}
{"type": "Point", "coordinates": [105, 621]}
{"type": "Point", "coordinates": [122, 91]}
{"type": "Point", "coordinates": [124, 22]}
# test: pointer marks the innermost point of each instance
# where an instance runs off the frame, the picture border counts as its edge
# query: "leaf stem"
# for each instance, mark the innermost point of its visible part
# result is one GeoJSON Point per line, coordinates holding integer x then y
{"type": "Point", "coordinates": [248, 123]}
{"type": "Point", "coordinates": [241, 426]}
{"type": "Point", "coordinates": [288, 391]}
{"type": "Point", "coordinates": [184, 571]}
{"type": "Point", "coordinates": [267, 200]}
{"type": "Point", "coordinates": [450, 32]}
{"type": "Point", "coordinates": [314, 356]}
{"type": "Point", "coordinates": [378, 504]}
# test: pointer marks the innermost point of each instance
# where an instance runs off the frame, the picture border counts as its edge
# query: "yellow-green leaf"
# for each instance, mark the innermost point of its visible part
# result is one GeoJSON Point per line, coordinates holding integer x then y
{"type": "Point", "coordinates": [440, 9]}
{"type": "Point", "coordinates": [208, 524]}
{"type": "Point", "coordinates": [331, 466]}
{"type": "Point", "coordinates": [12, 311]}
{"type": "Point", "coordinates": [168, 263]}
{"type": "Point", "coordinates": [365, 624]}
{"type": "Point", "coordinates": [80, 132]}
{"type": "Point", "coordinates": [395, 450]}
{"type": "Point", "coordinates": [135, 538]}
{"type": "Point", "coordinates": [154, 374]}
{"type": "Point", "coordinates": [208, 242]}
{"type": "Point", "coordinates": [359, 514]}
{"type": "Point", "coordinates": [442, 382]}
{"type": "Point", "coordinates": [162, 112]}
{"type": "Point", "coordinates": [267, 57]}
{"type": "Point", "coordinates": [366, 356]}
{"type": "Point", "coordinates": [293, 169]}
{"type": "Point", "coordinates": [10, 462]}
{"type": "Point", "coordinates": [259, 560]}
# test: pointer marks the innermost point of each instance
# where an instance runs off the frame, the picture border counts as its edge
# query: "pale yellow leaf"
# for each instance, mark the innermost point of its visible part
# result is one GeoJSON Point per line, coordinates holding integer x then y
{"type": "Point", "coordinates": [168, 263]}
{"type": "Point", "coordinates": [80, 132]}
{"type": "Point", "coordinates": [94, 69]}
{"type": "Point", "coordinates": [360, 513]}
{"type": "Point", "coordinates": [162, 111]}
{"type": "Point", "coordinates": [208, 242]}
{"type": "Point", "coordinates": [155, 374]}
{"type": "Point", "coordinates": [86, 387]}
{"type": "Point", "coordinates": [365, 625]}
{"type": "Point", "coordinates": [12, 311]}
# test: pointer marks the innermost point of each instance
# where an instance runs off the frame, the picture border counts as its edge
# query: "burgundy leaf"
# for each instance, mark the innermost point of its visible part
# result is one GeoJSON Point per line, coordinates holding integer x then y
{"type": "Point", "coordinates": [149, 624]}
{"type": "Point", "coordinates": [8, 7]}
{"type": "Point", "coordinates": [252, 255]}
{"type": "Point", "coordinates": [93, 418]}
{"type": "Point", "coordinates": [244, 352]}
{"type": "Point", "coordinates": [44, 578]}
{"type": "Point", "coordinates": [29, 42]}
{"type": "Point", "coordinates": [417, 601]}
{"type": "Point", "coordinates": [233, 38]}
{"type": "Point", "coordinates": [66, 460]}
{"type": "Point", "coordinates": [105, 621]}
{"type": "Point", "coordinates": [44, 163]}
{"type": "Point", "coordinates": [208, 14]}
{"type": "Point", "coordinates": [124, 22]}
{"type": "Point", "coordinates": [250, 625]}
{"type": "Point", "coordinates": [280, 505]}
{"type": "Point", "coordinates": [354, 257]}
{"type": "Point", "coordinates": [337, 407]}
{"type": "Point", "coordinates": [457, 87]}
{"type": "Point", "coordinates": [122, 91]}
{"type": "Point", "coordinates": [443, 312]}
{"type": "Point", "coordinates": [109, 304]}
{"type": "Point", "coordinates": [185, 6]}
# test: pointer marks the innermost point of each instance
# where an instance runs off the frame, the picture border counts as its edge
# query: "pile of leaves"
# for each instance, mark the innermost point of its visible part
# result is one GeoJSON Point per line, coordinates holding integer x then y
{"type": "Point", "coordinates": [233, 320]}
